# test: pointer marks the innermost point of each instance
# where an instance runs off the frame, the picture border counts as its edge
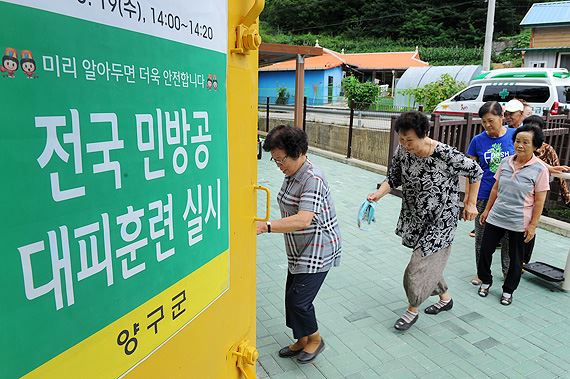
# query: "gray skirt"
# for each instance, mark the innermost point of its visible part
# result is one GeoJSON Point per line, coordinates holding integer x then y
{"type": "Point", "coordinates": [424, 276]}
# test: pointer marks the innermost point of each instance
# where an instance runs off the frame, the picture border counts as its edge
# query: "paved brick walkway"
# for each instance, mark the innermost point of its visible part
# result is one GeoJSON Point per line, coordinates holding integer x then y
{"type": "Point", "coordinates": [361, 299]}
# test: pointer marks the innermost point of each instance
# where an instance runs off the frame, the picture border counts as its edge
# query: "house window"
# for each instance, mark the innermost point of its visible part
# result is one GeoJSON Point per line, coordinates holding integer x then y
{"type": "Point", "coordinates": [538, 64]}
{"type": "Point", "coordinates": [564, 60]}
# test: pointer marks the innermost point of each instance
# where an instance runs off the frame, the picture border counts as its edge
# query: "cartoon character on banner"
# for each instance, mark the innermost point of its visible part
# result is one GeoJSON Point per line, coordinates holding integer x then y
{"type": "Point", "coordinates": [28, 64]}
{"type": "Point", "coordinates": [10, 62]}
{"type": "Point", "coordinates": [209, 82]}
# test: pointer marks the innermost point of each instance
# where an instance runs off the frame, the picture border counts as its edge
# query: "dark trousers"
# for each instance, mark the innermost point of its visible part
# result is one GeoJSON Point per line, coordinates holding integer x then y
{"type": "Point", "coordinates": [517, 251]}
{"type": "Point", "coordinates": [481, 204]}
{"type": "Point", "coordinates": [300, 291]}
{"type": "Point", "coordinates": [529, 247]}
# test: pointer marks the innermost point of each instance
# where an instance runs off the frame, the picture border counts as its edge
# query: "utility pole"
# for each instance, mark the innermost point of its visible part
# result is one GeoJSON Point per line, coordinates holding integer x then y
{"type": "Point", "coordinates": [489, 35]}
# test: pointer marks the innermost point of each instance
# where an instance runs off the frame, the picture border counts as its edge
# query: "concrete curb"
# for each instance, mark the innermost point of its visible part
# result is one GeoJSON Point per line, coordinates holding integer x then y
{"type": "Point", "coordinates": [555, 226]}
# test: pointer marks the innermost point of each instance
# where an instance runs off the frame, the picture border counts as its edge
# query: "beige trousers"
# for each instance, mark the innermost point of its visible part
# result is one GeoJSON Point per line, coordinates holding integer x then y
{"type": "Point", "coordinates": [424, 276]}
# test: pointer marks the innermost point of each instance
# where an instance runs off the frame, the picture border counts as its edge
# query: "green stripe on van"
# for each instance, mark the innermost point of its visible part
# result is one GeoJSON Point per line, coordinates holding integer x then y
{"type": "Point", "coordinates": [535, 74]}
{"type": "Point", "coordinates": [482, 75]}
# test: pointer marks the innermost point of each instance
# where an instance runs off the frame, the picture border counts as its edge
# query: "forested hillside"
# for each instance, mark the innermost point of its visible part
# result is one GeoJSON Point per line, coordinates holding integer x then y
{"type": "Point", "coordinates": [447, 32]}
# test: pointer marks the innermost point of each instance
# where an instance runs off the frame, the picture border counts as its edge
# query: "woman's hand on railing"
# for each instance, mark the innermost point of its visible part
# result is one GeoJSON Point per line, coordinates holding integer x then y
{"type": "Point", "coordinates": [558, 169]}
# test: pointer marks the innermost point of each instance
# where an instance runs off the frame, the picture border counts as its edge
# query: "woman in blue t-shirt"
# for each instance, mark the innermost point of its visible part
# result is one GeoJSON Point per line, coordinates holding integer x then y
{"type": "Point", "coordinates": [488, 148]}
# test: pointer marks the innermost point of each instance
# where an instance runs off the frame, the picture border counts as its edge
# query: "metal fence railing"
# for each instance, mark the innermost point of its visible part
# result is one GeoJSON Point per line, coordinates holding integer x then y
{"type": "Point", "coordinates": [331, 97]}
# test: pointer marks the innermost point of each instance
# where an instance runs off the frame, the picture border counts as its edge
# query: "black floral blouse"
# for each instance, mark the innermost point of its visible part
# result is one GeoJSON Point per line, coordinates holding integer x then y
{"type": "Point", "coordinates": [430, 199]}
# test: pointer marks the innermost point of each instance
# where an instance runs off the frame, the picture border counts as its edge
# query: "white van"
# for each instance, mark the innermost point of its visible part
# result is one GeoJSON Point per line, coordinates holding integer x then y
{"type": "Point", "coordinates": [543, 88]}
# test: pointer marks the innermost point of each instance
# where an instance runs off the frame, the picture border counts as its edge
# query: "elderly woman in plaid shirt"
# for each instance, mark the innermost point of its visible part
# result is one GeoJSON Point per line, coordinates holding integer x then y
{"type": "Point", "coordinates": [312, 236]}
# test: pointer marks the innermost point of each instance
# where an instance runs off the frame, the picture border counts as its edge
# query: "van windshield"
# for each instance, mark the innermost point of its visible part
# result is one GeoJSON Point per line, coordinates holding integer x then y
{"type": "Point", "coordinates": [563, 94]}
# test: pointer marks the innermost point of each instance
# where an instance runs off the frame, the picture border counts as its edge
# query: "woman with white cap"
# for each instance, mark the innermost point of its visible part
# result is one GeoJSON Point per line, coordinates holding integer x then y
{"type": "Point", "coordinates": [514, 110]}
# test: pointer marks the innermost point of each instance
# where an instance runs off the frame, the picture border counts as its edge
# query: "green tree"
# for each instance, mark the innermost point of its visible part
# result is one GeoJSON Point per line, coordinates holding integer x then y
{"type": "Point", "coordinates": [359, 95]}
{"type": "Point", "coordinates": [421, 22]}
{"type": "Point", "coordinates": [282, 96]}
{"type": "Point", "coordinates": [433, 93]}
{"type": "Point", "coordinates": [520, 41]}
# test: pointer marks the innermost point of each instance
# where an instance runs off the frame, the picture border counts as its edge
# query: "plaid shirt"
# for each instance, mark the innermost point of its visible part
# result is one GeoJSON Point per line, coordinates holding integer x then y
{"type": "Point", "coordinates": [316, 248]}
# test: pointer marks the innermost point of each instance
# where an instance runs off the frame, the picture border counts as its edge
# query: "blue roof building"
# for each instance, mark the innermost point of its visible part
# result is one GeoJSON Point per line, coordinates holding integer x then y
{"type": "Point", "coordinates": [550, 35]}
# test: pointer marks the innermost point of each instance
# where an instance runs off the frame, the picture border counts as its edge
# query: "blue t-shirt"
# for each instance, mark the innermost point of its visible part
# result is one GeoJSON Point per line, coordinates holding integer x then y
{"type": "Point", "coordinates": [489, 152]}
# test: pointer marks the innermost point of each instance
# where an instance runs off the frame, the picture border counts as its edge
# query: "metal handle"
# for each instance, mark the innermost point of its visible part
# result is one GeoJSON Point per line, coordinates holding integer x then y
{"type": "Point", "coordinates": [268, 194]}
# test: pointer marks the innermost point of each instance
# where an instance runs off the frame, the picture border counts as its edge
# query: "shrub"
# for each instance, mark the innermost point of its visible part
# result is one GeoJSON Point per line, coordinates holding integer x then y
{"type": "Point", "coordinates": [520, 41]}
{"type": "Point", "coordinates": [433, 93]}
{"type": "Point", "coordinates": [282, 96]}
{"type": "Point", "coordinates": [444, 56]}
{"type": "Point", "coordinates": [359, 95]}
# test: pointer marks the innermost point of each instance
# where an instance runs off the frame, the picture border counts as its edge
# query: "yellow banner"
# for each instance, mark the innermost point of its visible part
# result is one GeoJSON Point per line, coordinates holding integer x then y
{"type": "Point", "coordinates": [121, 345]}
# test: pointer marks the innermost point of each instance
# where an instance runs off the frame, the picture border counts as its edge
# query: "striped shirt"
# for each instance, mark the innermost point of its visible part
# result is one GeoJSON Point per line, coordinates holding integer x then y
{"type": "Point", "coordinates": [316, 248]}
{"type": "Point", "coordinates": [514, 205]}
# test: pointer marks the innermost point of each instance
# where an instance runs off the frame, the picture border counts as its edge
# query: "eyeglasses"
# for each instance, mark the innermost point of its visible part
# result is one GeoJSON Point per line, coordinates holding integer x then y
{"type": "Point", "coordinates": [279, 162]}
{"type": "Point", "coordinates": [509, 114]}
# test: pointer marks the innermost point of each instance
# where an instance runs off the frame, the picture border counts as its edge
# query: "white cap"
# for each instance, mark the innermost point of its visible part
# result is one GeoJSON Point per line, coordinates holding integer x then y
{"type": "Point", "coordinates": [514, 106]}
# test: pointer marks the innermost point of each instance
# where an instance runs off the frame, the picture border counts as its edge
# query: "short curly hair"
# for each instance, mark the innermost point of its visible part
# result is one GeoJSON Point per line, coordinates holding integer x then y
{"type": "Point", "coordinates": [287, 138]}
{"type": "Point", "coordinates": [537, 134]}
{"type": "Point", "coordinates": [535, 120]}
{"type": "Point", "coordinates": [413, 120]}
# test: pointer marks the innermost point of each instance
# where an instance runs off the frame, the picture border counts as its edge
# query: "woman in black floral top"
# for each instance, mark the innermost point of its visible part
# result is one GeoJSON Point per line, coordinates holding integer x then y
{"type": "Point", "coordinates": [428, 172]}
